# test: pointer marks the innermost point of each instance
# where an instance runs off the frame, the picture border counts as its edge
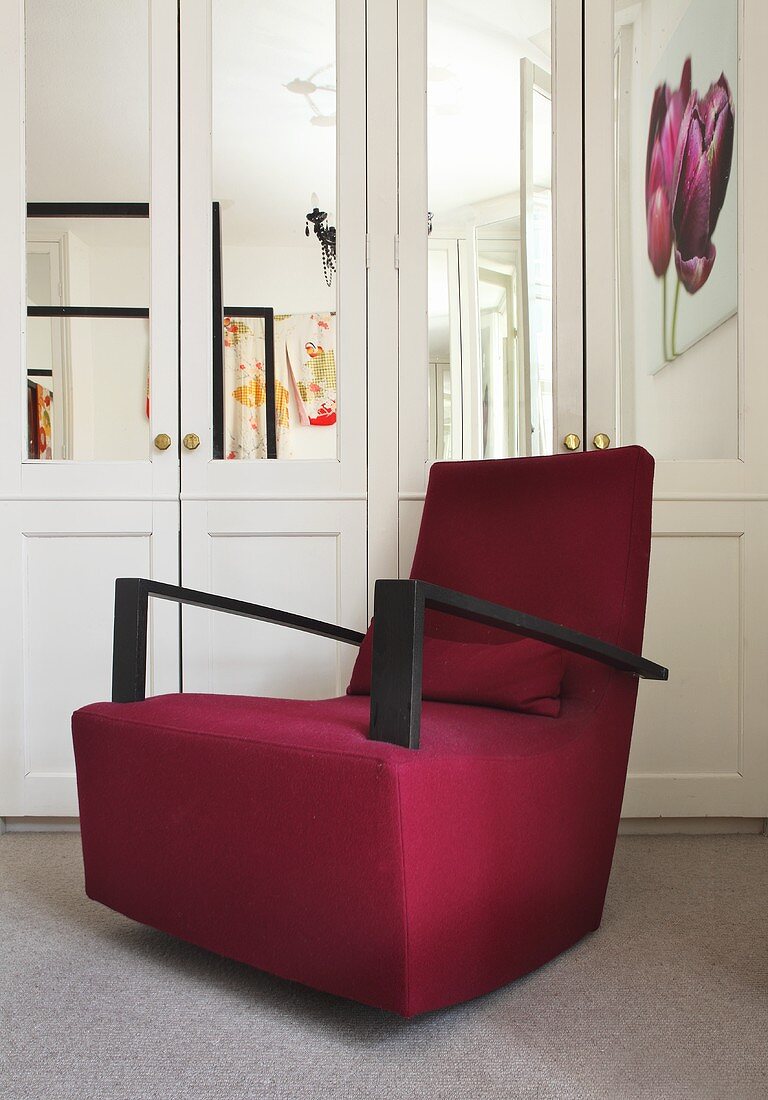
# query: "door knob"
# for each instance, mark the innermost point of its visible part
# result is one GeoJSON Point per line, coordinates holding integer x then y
{"type": "Point", "coordinates": [602, 441]}
{"type": "Point", "coordinates": [162, 441]}
{"type": "Point", "coordinates": [572, 442]}
{"type": "Point", "coordinates": [191, 441]}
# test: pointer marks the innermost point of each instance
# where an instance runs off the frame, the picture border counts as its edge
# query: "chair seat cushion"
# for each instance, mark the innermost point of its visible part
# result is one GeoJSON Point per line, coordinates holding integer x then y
{"type": "Point", "coordinates": [276, 833]}
{"type": "Point", "coordinates": [522, 675]}
{"type": "Point", "coordinates": [338, 725]}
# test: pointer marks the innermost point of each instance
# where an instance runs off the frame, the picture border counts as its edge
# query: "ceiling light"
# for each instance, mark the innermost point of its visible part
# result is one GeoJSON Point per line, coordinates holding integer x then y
{"type": "Point", "coordinates": [308, 88]}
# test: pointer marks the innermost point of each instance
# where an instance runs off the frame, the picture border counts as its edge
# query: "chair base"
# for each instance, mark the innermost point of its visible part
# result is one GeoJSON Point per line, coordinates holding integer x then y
{"type": "Point", "coordinates": [409, 881]}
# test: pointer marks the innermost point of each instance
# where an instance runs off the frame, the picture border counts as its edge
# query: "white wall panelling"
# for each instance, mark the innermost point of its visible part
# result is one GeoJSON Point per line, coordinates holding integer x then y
{"type": "Point", "coordinates": [410, 520]}
{"type": "Point", "coordinates": [307, 557]}
{"type": "Point", "coordinates": [699, 745]}
{"type": "Point", "coordinates": [56, 645]}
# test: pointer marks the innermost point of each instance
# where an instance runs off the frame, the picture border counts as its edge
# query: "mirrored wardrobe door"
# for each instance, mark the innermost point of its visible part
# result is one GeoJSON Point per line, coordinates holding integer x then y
{"type": "Point", "coordinates": [88, 271]}
{"type": "Point", "coordinates": [484, 370]}
{"type": "Point", "coordinates": [99, 380]}
{"type": "Point", "coordinates": [273, 335]}
{"type": "Point", "coordinates": [273, 281]}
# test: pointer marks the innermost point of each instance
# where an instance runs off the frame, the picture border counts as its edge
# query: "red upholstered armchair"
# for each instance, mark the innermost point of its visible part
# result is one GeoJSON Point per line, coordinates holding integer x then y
{"type": "Point", "coordinates": [408, 855]}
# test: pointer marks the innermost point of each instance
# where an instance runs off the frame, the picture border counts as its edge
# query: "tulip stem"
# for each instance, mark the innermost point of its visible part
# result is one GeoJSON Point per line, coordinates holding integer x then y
{"type": "Point", "coordinates": [664, 316]}
{"type": "Point", "coordinates": [675, 352]}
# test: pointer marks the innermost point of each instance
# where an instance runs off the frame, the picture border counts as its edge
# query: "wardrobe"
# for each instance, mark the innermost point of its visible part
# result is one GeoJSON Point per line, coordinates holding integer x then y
{"type": "Point", "coordinates": [262, 264]}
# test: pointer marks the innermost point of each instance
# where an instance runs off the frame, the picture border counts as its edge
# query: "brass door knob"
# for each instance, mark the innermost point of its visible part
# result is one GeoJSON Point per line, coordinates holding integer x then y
{"type": "Point", "coordinates": [572, 442]}
{"type": "Point", "coordinates": [191, 441]}
{"type": "Point", "coordinates": [602, 441]}
{"type": "Point", "coordinates": [163, 441]}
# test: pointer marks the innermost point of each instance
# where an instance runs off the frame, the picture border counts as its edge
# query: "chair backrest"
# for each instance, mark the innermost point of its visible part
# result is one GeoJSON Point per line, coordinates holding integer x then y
{"type": "Point", "coordinates": [565, 537]}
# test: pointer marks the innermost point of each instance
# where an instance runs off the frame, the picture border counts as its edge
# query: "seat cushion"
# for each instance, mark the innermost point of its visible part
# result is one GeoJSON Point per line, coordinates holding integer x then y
{"type": "Point", "coordinates": [522, 674]}
{"type": "Point", "coordinates": [275, 833]}
{"type": "Point", "coordinates": [338, 725]}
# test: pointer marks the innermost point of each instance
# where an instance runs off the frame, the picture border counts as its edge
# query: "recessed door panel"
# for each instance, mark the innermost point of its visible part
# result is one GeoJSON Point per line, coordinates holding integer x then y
{"type": "Point", "coordinates": [309, 560]}
{"type": "Point", "coordinates": [57, 647]}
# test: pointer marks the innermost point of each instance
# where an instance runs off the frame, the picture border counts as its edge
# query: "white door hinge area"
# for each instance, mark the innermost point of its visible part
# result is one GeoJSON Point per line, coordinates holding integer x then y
{"type": "Point", "coordinates": [397, 251]}
{"type": "Point", "coordinates": [367, 250]}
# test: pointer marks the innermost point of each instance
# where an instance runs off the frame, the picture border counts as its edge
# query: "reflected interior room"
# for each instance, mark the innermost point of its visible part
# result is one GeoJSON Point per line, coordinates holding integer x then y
{"type": "Point", "coordinates": [384, 534]}
{"type": "Point", "coordinates": [489, 94]}
{"type": "Point", "coordinates": [274, 232]}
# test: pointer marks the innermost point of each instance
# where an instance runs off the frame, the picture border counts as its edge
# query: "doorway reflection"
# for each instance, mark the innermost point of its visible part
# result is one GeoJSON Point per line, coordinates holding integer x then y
{"type": "Point", "coordinates": [489, 96]}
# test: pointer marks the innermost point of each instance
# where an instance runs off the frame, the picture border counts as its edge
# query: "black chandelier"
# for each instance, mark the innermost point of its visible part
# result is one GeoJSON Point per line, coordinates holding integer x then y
{"type": "Point", "coordinates": [326, 235]}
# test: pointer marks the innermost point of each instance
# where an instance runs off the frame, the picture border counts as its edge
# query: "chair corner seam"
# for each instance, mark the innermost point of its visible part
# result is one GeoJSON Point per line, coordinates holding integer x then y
{"type": "Point", "coordinates": [404, 887]}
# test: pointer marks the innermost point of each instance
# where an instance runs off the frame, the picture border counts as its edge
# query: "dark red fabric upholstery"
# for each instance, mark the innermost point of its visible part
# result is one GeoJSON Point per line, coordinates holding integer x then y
{"type": "Point", "coordinates": [274, 832]}
{"type": "Point", "coordinates": [521, 674]}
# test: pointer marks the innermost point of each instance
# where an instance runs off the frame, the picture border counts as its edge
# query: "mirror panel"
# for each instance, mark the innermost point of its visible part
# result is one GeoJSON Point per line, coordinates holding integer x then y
{"type": "Point", "coordinates": [489, 96]}
{"type": "Point", "coordinates": [274, 189]}
{"type": "Point", "coordinates": [87, 190]}
{"type": "Point", "coordinates": [444, 350]}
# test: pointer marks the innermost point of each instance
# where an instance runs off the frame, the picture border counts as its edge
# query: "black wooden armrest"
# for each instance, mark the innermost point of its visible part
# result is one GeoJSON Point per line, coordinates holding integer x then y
{"type": "Point", "coordinates": [398, 638]}
{"type": "Point", "coordinates": [129, 654]}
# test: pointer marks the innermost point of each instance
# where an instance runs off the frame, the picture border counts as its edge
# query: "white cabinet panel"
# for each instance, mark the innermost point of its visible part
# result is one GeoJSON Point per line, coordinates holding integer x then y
{"type": "Point", "coordinates": [295, 572]}
{"type": "Point", "coordinates": [410, 521]}
{"type": "Point", "coordinates": [699, 745]}
{"type": "Point", "coordinates": [691, 725]}
{"type": "Point", "coordinates": [302, 556]}
{"type": "Point", "coordinates": [67, 667]}
{"type": "Point", "coordinates": [60, 561]}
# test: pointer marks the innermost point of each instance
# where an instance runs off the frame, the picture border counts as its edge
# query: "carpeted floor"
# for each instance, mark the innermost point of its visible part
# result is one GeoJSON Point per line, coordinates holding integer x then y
{"type": "Point", "coordinates": [669, 999]}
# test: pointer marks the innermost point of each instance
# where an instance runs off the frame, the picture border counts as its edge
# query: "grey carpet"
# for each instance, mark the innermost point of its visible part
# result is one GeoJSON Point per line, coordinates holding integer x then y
{"type": "Point", "coordinates": [669, 999]}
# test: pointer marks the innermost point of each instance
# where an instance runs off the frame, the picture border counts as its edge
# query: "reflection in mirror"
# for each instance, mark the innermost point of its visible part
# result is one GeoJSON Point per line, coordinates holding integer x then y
{"type": "Point", "coordinates": [274, 186]}
{"type": "Point", "coordinates": [489, 95]}
{"type": "Point", "coordinates": [93, 261]}
{"type": "Point", "coordinates": [677, 277]}
{"type": "Point", "coordinates": [93, 371]}
{"type": "Point", "coordinates": [498, 266]}
{"type": "Point", "coordinates": [87, 184]}
{"type": "Point", "coordinates": [444, 350]}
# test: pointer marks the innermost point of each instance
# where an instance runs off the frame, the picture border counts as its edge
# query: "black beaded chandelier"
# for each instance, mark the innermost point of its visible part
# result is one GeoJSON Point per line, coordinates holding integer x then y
{"type": "Point", "coordinates": [326, 235]}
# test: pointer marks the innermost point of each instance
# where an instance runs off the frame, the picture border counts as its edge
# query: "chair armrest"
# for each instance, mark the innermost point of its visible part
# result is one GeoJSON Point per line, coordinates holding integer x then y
{"type": "Point", "coordinates": [129, 654]}
{"type": "Point", "coordinates": [398, 640]}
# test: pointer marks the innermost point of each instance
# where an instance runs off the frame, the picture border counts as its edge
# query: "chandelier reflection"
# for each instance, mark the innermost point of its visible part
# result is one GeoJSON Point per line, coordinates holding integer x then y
{"type": "Point", "coordinates": [326, 235]}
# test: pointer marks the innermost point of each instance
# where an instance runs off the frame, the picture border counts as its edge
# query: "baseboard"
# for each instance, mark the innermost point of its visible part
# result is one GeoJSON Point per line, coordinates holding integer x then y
{"type": "Point", "coordinates": [39, 824]}
{"type": "Point", "coordinates": [691, 826]}
{"type": "Point", "coordinates": [629, 826]}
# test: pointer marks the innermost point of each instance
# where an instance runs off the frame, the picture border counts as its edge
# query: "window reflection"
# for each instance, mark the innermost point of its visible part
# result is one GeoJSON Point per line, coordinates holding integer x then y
{"type": "Point", "coordinates": [489, 95]}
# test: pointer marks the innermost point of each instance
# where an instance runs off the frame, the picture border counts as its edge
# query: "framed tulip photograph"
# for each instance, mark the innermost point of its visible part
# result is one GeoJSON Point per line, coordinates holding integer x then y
{"type": "Point", "coordinates": [678, 208]}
